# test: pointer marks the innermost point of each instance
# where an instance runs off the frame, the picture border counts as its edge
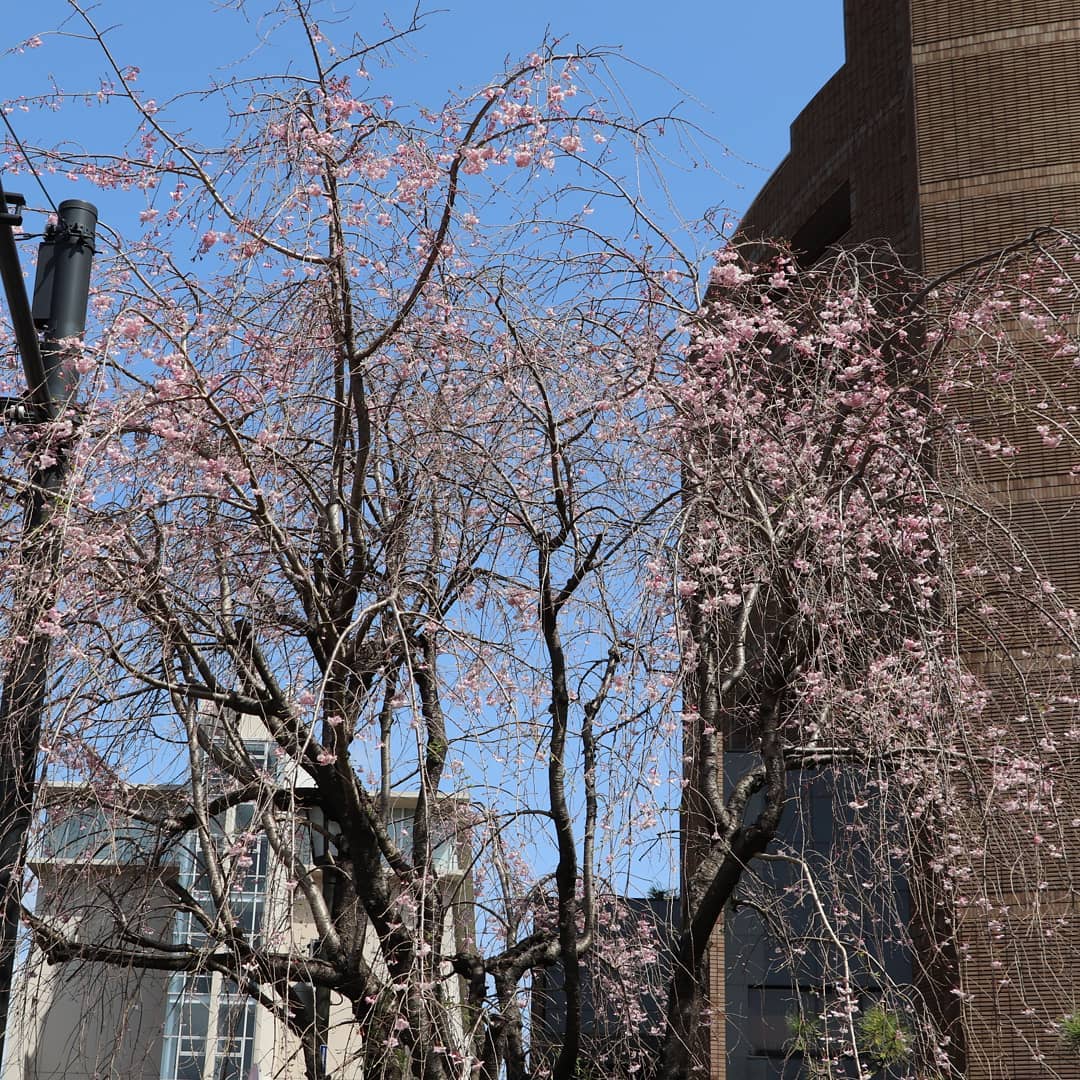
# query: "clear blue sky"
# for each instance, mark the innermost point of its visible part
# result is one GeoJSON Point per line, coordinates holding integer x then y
{"type": "Point", "coordinates": [745, 67]}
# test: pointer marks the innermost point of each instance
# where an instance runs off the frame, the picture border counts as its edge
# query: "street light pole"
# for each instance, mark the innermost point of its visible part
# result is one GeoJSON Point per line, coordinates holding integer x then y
{"type": "Point", "coordinates": [59, 308]}
{"type": "Point", "coordinates": [21, 316]}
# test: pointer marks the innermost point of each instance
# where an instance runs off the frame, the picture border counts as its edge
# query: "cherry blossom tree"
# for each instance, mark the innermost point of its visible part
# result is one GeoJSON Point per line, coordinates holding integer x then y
{"type": "Point", "coordinates": [869, 623]}
{"type": "Point", "coordinates": [430, 543]}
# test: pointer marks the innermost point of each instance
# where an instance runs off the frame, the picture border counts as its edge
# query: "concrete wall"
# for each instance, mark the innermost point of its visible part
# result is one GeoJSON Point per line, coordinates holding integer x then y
{"type": "Point", "coordinates": [87, 1021]}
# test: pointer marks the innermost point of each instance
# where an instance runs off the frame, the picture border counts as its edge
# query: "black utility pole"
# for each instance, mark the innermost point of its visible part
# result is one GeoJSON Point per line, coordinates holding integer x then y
{"type": "Point", "coordinates": [59, 309]}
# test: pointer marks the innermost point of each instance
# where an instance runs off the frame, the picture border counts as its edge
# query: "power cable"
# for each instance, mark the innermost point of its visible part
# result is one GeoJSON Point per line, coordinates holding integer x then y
{"type": "Point", "coordinates": [29, 163]}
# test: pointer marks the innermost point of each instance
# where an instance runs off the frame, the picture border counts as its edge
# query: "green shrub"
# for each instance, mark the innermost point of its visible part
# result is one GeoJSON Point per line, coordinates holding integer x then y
{"type": "Point", "coordinates": [883, 1037]}
{"type": "Point", "coordinates": [1070, 1031]}
{"type": "Point", "coordinates": [803, 1034]}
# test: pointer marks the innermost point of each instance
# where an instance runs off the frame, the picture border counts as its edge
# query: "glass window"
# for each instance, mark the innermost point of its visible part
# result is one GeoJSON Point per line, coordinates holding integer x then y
{"type": "Point", "coordinates": [779, 1019]}
{"type": "Point", "coordinates": [210, 1027]}
{"type": "Point", "coordinates": [235, 1041]}
{"type": "Point", "coordinates": [90, 835]}
{"type": "Point", "coordinates": [444, 854]}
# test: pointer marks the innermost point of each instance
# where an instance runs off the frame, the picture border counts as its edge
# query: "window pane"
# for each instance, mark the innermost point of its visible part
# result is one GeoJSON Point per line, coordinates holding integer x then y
{"type": "Point", "coordinates": [196, 1019]}
{"type": "Point", "coordinates": [189, 1068]}
{"type": "Point", "coordinates": [780, 1019]}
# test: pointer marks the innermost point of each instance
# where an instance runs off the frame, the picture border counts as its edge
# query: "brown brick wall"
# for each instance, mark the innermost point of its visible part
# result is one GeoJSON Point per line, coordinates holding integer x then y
{"type": "Point", "coordinates": [717, 1033]}
{"type": "Point", "coordinates": [859, 130]}
{"type": "Point", "coordinates": [997, 117]}
{"type": "Point", "coordinates": [1005, 1016]}
{"type": "Point", "coordinates": [937, 20]}
{"type": "Point", "coordinates": [956, 124]}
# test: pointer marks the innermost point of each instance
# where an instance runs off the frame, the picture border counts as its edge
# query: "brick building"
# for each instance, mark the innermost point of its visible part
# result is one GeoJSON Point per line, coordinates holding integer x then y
{"type": "Point", "coordinates": [953, 128]}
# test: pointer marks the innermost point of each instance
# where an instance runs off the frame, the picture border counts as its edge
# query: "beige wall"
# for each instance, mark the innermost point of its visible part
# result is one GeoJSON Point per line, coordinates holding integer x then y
{"type": "Point", "coordinates": [92, 1022]}
{"type": "Point", "coordinates": [88, 1021]}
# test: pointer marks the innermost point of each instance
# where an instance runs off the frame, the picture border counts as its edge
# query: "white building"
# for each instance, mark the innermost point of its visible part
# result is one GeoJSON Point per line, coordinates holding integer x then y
{"type": "Point", "coordinates": [90, 1021]}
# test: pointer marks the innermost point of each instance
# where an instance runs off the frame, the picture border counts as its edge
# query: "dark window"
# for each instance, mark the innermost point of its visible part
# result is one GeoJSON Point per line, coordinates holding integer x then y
{"type": "Point", "coordinates": [770, 1012]}
{"type": "Point", "coordinates": [824, 227]}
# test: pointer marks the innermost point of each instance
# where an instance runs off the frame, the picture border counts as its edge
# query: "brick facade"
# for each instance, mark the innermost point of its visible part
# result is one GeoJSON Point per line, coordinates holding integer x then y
{"type": "Point", "coordinates": [953, 128]}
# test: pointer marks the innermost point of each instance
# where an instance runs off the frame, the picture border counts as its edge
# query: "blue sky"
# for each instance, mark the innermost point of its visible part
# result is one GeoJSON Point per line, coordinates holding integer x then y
{"type": "Point", "coordinates": [739, 69]}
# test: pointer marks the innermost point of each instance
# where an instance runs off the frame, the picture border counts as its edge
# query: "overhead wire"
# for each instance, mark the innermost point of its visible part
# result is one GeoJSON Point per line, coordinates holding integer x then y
{"type": "Point", "coordinates": [30, 164]}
